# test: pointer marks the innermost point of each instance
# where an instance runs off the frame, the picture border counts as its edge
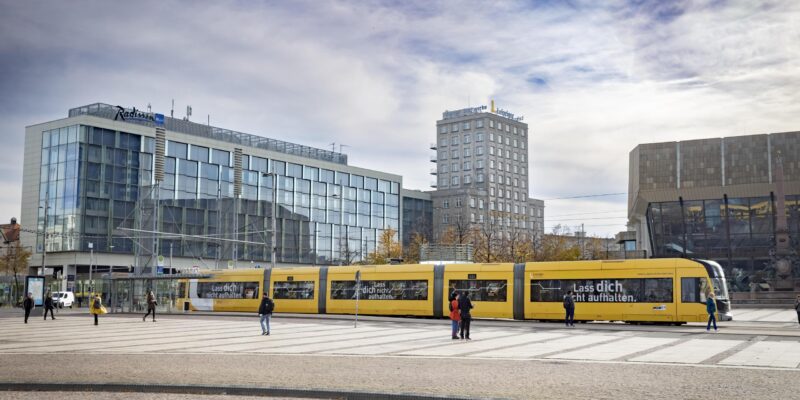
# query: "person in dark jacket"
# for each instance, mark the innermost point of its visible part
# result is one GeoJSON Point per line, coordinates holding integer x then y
{"type": "Point", "coordinates": [27, 304]}
{"type": "Point", "coordinates": [797, 307]}
{"type": "Point", "coordinates": [265, 313]}
{"type": "Point", "coordinates": [569, 309]}
{"type": "Point", "coordinates": [711, 308]}
{"type": "Point", "coordinates": [48, 305]}
{"type": "Point", "coordinates": [151, 305]}
{"type": "Point", "coordinates": [465, 305]}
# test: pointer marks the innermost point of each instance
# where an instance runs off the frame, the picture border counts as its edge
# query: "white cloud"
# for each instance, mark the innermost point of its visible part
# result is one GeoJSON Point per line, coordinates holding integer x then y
{"type": "Point", "coordinates": [593, 81]}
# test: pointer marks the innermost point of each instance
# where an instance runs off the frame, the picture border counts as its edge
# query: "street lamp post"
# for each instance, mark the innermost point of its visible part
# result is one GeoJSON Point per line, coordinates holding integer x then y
{"type": "Point", "coordinates": [341, 221]}
{"type": "Point", "coordinates": [274, 215]}
{"type": "Point", "coordinates": [91, 260]}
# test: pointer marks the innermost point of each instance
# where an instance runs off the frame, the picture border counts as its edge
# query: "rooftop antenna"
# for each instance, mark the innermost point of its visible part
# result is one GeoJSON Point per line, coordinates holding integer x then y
{"type": "Point", "coordinates": [188, 112]}
{"type": "Point", "coordinates": [172, 109]}
{"type": "Point", "coordinates": [149, 108]}
{"type": "Point", "coordinates": [209, 119]}
{"type": "Point", "coordinates": [333, 147]}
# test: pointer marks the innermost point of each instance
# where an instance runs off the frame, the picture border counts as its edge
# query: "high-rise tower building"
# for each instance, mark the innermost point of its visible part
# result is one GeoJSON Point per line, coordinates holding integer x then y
{"type": "Point", "coordinates": [481, 174]}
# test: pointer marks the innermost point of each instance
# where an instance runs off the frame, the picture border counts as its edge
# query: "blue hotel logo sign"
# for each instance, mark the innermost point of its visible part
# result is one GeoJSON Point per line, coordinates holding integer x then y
{"type": "Point", "coordinates": [132, 114]}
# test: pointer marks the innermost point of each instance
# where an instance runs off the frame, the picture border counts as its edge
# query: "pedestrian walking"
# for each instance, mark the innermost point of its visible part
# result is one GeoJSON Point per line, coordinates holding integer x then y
{"type": "Point", "coordinates": [265, 313]}
{"type": "Point", "coordinates": [96, 307]}
{"type": "Point", "coordinates": [711, 308]}
{"type": "Point", "coordinates": [464, 307]}
{"type": "Point", "coordinates": [27, 304]}
{"type": "Point", "coordinates": [455, 315]}
{"type": "Point", "coordinates": [569, 309]}
{"type": "Point", "coordinates": [151, 305]}
{"type": "Point", "coordinates": [797, 307]}
{"type": "Point", "coordinates": [48, 305]}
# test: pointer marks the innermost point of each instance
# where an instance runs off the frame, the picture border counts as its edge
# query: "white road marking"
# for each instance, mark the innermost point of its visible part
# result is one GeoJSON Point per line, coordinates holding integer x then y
{"type": "Point", "coordinates": [693, 351]}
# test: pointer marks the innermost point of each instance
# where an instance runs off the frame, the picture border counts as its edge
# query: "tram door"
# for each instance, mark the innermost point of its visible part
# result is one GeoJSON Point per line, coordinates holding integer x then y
{"type": "Point", "coordinates": [692, 298]}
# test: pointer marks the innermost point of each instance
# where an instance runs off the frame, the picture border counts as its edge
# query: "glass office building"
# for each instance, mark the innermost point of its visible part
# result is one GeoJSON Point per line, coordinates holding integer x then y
{"type": "Point", "coordinates": [717, 199]}
{"type": "Point", "coordinates": [100, 173]}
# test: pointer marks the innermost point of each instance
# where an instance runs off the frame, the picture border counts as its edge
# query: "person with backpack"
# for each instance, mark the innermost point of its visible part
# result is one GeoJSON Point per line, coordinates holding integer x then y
{"type": "Point", "coordinates": [455, 315]}
{"type": "Point", "coordinates": [27, 304]}
{"type": "Point", "coordinates": [48, 305]}
{"type": "Point", "coordinates": [265, 313]}
{"type": "Point", "coordinates": [464, 306]}
{"type": "Point", "coordinates": [569, 308]}
{"type": "Point", "coordinates": [96, 307]}
{"type": "Point", "coordinates": [711, 308]}
{"type": "Point", "coordinates": [151, 305]}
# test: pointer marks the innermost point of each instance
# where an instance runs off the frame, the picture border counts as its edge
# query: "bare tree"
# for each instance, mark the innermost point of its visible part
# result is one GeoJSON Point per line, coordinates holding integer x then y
{"type": "Point", "coordinates": [15, 261]}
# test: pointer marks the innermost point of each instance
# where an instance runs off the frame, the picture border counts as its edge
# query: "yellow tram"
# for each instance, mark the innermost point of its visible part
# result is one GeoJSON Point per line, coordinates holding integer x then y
{"type": "Point", "coordinates": [651, 290]}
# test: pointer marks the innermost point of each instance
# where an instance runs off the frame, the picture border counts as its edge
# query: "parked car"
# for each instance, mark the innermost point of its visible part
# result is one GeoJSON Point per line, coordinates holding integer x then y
{"type": "Point", "coordinates": [63, 299]}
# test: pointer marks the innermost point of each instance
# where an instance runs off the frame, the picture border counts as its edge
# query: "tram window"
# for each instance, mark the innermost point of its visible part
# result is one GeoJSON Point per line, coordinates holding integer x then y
{"type": "Point", "coordinates": [295, 290]}
{"type": "Point", "coordinates": [693, 290]}
{"type": "Point", "coordinates": [651, 290]}
{"type": "Point", "coordinates": [481, 290]}
{"type": "Point", "coordinates": [380, 290]}
{"type": "Point", "coordinates": [227, 290]}
{"type": "Point", "coordinates": [182, 289]}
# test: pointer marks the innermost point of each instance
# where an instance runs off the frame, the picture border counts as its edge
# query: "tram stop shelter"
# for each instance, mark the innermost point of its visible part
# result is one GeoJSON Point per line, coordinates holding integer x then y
{"type": "Point", "coordinates": [128, 294]}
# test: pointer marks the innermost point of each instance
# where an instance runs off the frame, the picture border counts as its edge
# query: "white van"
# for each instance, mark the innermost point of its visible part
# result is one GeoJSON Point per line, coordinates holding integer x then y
{"type": "Point", "coordinates": [63, 299]}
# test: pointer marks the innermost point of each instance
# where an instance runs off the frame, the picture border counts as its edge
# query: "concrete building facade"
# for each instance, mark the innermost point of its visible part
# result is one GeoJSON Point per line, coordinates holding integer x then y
{"type": "Point", "coordinates": [716, 199]}
{"type": "Point", "coordinates": [481, 169]}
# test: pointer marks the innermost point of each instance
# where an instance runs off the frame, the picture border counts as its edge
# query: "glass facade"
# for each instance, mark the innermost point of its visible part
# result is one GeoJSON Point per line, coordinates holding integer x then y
{"type": "Point", "coordinates": [96, 180]}
{"type": "Point", "coordinates": [738, 233]}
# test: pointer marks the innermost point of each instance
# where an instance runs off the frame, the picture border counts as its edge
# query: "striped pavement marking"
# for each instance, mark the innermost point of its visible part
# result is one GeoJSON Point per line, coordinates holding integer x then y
{"type": "Point", "coordinates": [693, 351]}
{"type": "Point", "coordinates": [767, 354]}
{"type": "Point", "coordinates": [124, 335]}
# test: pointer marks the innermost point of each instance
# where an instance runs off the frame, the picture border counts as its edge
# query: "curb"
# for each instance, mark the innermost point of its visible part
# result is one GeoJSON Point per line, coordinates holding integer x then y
{"type": "Point", "coordinates": [213, 390]}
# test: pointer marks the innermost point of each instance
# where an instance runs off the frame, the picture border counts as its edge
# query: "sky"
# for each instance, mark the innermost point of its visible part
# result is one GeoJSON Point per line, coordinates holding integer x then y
{"type": "Point", "coordinates": [592, 79]}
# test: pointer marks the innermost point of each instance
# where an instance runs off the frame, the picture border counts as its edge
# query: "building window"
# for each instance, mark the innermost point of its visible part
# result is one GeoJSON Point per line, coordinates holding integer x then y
{"type": "Point", "coordinates": [454, 154]}
{"type": "Point", "coordinates": [508, 129]}
{"type": "Point", "coordinates": [467, 152]}
{"type": "Point", "coordinates": [472, 217]}
{"type": "Point", "coordinates": [523, 158]}
{"type": "Point", "coordinates": [443, 129]}
{"type": "Point", "coordinates": [491, 178]}
{"type": "Point", "coordinates": [491, 123]}
{"type": "Point", "coordinates": [445, 203]}
{"type": "Point", "coordinates": [467, 179]}
{"type": "Point", "coordinates": [491, 191]}
{"type": "Point", "coordinates": [479, 164]}
{"type": "Point", "coordinates": [515, 141]}
{"type": "Point", "coordinates": [480, 218]}
{"type": "Point", "coordinates": [499, 126]}
{"type": "Point", "coordinates": [491, 150]}
{"type": "Point", "coordinates": [508, 140]}
{"type": "Point", "coordinates": [455, 181]}
{"type": "Point", "coordinates": [508, 154]}
{"type": "Point", "coordinates": [446, 219]}
{"type": "Point", "coordinates": [523, 132]}
{"type": "Point", "coordinates": [467, 165]}
{"type": "Point", "coordinates": [479, 123]}
{"type": "Point", "coordinates": [443, 154]}
{"type": "Point", "coordinates": [479, 150]}
{"type": "Point", "coordinates": [491, 163]}
{"type": "Point", "coordinates": [508, 196]}
{"type": "Point", "coordinates": [466, 125]}
{"type": "Point", "coordinates": [480, 204]}
{"type": "Point", "coordinates": [499, 165]}
{"type": "Point", "coordinates": [455, 128]}
{"type": "Point", "coordinates": [480, 178]}
{"type": "Point", "coordinates": [479, 137]}
{"type": "Point", "coordinates": [516, 169]}
{"type": "Point", "coordinates": [454, 167]}
{"type": "Point", "coordinates": [516, 182]}
{"type": "Point", "coordinates": [508, 167]}
{"type": "Point", "coordinates": [491, 137]}
{"type": "Point", "coordinates": [458, 202]}
{"type": "Point", "coordinates": [454, 140]}
{"type": "Point", "coordinates": [500, 139]}
{"type": "Point", "coordinates": [472, 202]}
{"type": "Point", "coordinates": [515, 156]}
{"type": "Point", "coordinates": [443, 168]}
{"type": "Point", "coordinates": [516, 209]}
{"type": "Point", "coordinates": [492, 206]}
{"type": "Point", "coordinates": [515, 130]}
{"type": "Point", "coordinates": [443, 142]}
{"type": "Point", "coordinates": [508, 180]}
{"type": "Point", "coordinates": [467, 138]}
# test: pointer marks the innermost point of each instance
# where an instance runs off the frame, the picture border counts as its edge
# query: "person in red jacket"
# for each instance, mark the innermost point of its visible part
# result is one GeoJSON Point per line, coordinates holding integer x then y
{"type": "Point", "coordinates": [455, 315]}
